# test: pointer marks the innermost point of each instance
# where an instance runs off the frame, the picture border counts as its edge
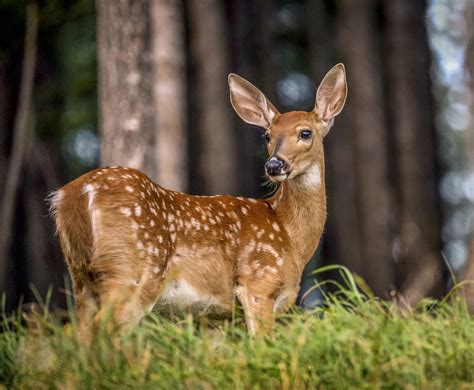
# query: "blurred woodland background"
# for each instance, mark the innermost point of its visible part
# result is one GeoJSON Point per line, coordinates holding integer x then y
{"type": "Point", "coordinates": [143, 83]}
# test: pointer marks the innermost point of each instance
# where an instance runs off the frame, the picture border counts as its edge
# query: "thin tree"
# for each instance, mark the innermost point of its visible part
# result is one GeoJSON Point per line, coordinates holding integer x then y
{"type": "Point", "coordinates": [169, 65]}
{"type": "Point", "coordinates": [126, 109]}
{"type": "Point", "coordinates": [361, 203]}
{"type": "Point", "coordinates": [217, 160]}
{"type": "Point", "coordinates": [413, 131]}
{"type": "Point", "coordinates": [20, 138]}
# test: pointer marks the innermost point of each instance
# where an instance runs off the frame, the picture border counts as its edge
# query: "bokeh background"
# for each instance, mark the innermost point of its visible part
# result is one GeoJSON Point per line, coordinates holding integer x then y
{"type": "Point", "coordinates": [143, 83]}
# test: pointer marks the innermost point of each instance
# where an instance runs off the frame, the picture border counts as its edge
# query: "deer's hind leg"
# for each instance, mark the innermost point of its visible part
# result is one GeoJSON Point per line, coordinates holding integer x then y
{"type": "Point", "coordinates": [86, 304]}
{"type": "Point", "coordinates": [258, 310]}
{"type": "Point", "coordinates": [127, 286]}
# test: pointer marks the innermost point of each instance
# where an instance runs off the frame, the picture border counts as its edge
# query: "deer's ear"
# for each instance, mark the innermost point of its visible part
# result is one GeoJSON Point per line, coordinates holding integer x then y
{"type": "Point", "coordinates": [331, 94]}
{"type": "Point", "coordinates": [249, 103]}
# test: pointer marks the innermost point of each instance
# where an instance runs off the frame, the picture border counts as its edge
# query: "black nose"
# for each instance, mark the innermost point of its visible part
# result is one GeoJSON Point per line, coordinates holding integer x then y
{"type": "Point", "coordinates": [274, 166]}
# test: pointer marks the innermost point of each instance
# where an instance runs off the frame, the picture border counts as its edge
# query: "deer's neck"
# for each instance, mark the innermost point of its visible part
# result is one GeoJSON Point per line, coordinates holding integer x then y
{"type": "Point", "coordinates": [300, 205]}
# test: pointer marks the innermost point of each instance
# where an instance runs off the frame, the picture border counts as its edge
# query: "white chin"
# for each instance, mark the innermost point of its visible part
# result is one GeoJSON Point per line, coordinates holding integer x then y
{"type": "Point", "coordinates": [279, 178]}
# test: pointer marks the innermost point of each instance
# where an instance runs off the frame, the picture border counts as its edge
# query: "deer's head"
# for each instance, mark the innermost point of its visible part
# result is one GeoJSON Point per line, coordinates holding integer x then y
{"type": "Point", "coordinates": [294, 139]}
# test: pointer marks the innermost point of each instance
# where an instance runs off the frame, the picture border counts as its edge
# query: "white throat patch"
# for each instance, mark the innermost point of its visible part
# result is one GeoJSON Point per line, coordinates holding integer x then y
{"type": "Point", "coordinates": [312, 178]}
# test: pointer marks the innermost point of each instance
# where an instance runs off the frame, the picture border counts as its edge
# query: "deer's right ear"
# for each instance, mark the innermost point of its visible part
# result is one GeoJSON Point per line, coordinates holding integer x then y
{"type": "Point", "coordinates": [249, 103]}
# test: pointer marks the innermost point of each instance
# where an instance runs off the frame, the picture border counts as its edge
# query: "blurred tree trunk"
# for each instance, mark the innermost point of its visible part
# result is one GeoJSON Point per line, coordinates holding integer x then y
{"type": "Point", "coordinates": [19, 142]}
{"type": "Point", "coordinates": [361, 207]}
{"type": "Point", "coordinates": [468, 271]}
{"type": "Point", "coordinates": [412, 127]}
{"type": "Point", "coordinates": [217, 161]}
{"type": "Point", "coordinates": [4, 110]}
{"type": "Point", "coordinates": [169, 65]}
{"type": "Point", "coordinates": [254, 58]}
{"type": "Point", "coordinates": [469, 18]}
{"type": "Point", "coordinates": [126, 109]}
{"type": "Point", "coordinates": [44, 267]}
{"type": "Point", "coordinates": [467, 274]}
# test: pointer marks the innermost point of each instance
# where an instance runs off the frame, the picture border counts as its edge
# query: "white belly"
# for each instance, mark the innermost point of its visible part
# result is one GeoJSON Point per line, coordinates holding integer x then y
{"type": "Point", "coordinates": [179, 296]}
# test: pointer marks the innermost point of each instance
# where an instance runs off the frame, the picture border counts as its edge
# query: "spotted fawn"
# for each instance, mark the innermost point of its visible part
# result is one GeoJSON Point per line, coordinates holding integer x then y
{"type": "Point", "coordinates": [134, 246]}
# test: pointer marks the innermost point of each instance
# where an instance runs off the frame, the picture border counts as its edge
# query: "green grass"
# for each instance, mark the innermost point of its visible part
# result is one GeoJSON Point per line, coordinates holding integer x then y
{"type": "Point", "coordinates": [355, 342]}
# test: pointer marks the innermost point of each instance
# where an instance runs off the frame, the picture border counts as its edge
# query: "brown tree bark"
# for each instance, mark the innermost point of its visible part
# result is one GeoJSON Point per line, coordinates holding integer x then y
{"type": "Point", "coordinates": [411, 121]}
{"type": "Point", "coordinates": [126, 109]}
{"type": "Point", "coordinates": [169, 65]}
{"type": "Point", "coordinates": [467, 275]}
{"type": "Point", "coordinates": [468, 271]}
{"type": "Point", "coordinates": [361, 207]}
{"type": "Point", "coordinates": [217, 161]}
{"type": "Point", "coordinates": [4, 108]}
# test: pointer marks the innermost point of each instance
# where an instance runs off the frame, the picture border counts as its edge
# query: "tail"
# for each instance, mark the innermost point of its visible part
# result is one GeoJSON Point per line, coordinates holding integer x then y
{"type": "Point", "coordinates": [69, 210]}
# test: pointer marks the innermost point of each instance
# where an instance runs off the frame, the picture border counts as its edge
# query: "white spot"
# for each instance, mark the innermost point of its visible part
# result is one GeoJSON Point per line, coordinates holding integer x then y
{"type": "Point", "coordinates": [280, 261]}
{"type": "Point", "coordinates": [129, 189]}
{"type": "Point", "coordinates": [275, 227]}
{"type": "Point", "coordinates": [89, 189]}
{"type": "Point", "coordinates": [244, 210]}
{"type": "Point", "coordinates": [156, 270]}
{"type": "Point", "coordinates": [269, 249]}
{"type": "Point", "coordinates": [138, 210]}
{"type": "Point", "coordinates": [271, 269]}
{"type": "Point", "coordinates": [125, 211]}
{"type": "Point", "coordinates": [195, 223]}
{"type": "Point", "coordinates": [272, 236]}
{"type": "Point", "coordinates": [150, 248]}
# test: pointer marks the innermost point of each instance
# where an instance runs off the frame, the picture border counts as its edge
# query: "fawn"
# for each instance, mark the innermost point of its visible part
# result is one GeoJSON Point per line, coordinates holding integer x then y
{"type": "Point", "coordinates": [133, 245]}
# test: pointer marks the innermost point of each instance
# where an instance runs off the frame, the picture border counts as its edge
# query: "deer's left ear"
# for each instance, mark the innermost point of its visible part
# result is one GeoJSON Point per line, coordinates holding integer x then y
{"type": "Point", "coordinates": [331, 94]}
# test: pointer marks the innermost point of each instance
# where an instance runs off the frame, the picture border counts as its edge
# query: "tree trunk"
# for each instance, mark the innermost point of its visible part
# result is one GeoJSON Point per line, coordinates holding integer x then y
{"type": "Point", "coordinates": [126, 108]}
{"type": "Point", "coordinates": [467, 276]}
{"type": "Point", "coordinates": [358, 158]}
{"type": "Point", "coordinates": [20, 140]}
{"type": "Point", "coordinates": [412, 127]}
{"type": "Point", "coordinates": [218, 165]}
{"type": "Point", "coordinates": [468, 272]}
{"type": "Point", "coordinates": [169, 65]}
{"type": "Point", "coordinates": [4, 109]}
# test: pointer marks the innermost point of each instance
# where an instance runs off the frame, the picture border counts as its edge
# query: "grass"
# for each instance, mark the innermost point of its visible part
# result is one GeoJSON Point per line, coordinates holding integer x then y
{"type": "Point", "coordinates": [354, 342]}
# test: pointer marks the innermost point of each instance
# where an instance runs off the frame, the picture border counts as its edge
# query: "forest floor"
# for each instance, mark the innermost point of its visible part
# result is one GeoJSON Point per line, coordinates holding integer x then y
{"type": "Point", "coordinates": [353, 342]}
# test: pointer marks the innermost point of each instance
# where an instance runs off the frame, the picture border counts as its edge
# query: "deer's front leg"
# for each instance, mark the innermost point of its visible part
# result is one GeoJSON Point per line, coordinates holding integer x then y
{"type": "Point", "coordinates": [258, 311]}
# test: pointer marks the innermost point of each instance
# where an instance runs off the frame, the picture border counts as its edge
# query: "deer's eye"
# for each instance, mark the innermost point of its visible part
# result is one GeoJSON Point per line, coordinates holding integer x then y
{"type": "Point", "coordinates": [306, 134]}
{"type": "Point", "coordinates": [266, 136]}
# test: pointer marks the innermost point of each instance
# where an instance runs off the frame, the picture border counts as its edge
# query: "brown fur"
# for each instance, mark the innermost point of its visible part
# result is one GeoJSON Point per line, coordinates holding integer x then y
{"type": "Point", "coordinates": [131, 244]}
